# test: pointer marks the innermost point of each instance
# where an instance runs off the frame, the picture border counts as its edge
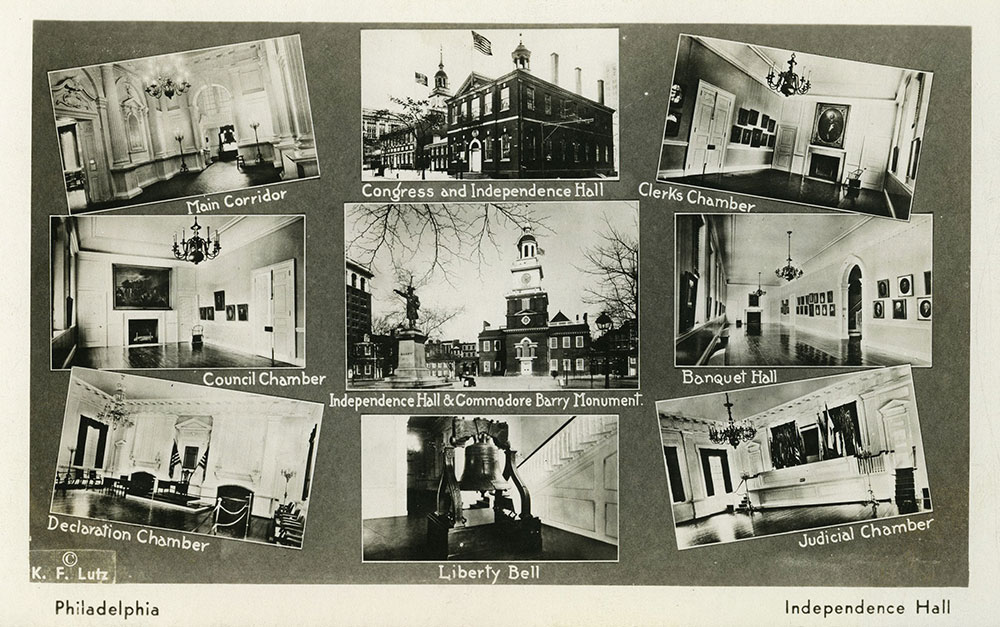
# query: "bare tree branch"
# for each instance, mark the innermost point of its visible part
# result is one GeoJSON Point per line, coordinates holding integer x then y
{"type": "Point", "coordinates": [431, 320]}
{"type": "Point", "coordinates": [614, 262]}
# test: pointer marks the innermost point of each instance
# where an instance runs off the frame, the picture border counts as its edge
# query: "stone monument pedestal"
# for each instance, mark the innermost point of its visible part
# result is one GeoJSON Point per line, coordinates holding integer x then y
{"type": "Point", "coordinates": [411, 371]}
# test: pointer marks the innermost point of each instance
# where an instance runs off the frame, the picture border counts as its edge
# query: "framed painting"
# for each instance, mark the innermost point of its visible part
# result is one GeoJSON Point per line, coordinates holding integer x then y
{"type": "Point", "coordinates": [747, 136]}
{"type": "Point", "coordinates": [927, 283]}
{"type": "Point", "coordinates": [209, 313]}
{"type": "Point", "coordinates": [742, 115]}
{"type": "Point", "coordinates": [770, 126]}
{"type": "Point", "coordinates": [899, 309]}
{"type": "Point", "coordinates": [923, 309]}
{"type": "Point", "coordinates": [833, 309]}
{"type": "Point", "coordinates": [883, 288]}
{"type": "Point", "coordinates": [764, 121]}
{"type": "Point", "coordinates": [753, 117]}
{"type": "Point", "coordinates": [755, 140]}
{"type": "Point", "coordinates": [830, 125]}
{"type": "Point", "coordinates": [140, 287]}
{"type": "Point", "coordinates": [231, 313]}
{"type": "Point", "coordinates": [736, 135]}
{"type": "Point", "coordinates": [770, 141]}
{"type": "Point", "coordinates": [905, 284]}
{"type": "Point", "coordinates": [878, 309]}
{"type": "Point", "coordinates": [829, 296]}
{"type": "Point", "coordinates": [241, 312]}
{"type": "Point", "coordinates": [220, 300]}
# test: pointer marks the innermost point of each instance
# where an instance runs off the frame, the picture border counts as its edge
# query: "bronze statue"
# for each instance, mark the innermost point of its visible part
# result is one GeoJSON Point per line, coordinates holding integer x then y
{"type": "Point", "coordinates": [412, 304]}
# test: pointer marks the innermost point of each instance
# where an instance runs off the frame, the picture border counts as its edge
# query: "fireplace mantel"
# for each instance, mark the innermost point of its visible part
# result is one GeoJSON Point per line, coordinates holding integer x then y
{"type": "Point", "coordinates": [826, 151]}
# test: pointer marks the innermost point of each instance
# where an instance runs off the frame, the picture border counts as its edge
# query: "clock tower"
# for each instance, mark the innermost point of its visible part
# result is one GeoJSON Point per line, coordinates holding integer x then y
{"type": "Point", "coordinates": [527, 302]}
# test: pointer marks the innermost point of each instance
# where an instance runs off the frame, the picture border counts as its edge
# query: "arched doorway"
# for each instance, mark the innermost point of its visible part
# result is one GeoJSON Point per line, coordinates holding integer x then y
{"type": "Point", "coordinates": [475, 156]}
{"type": "Point", "coordinates": [214, 112]}
{"type": "Point", "coordinates": [854, 303]}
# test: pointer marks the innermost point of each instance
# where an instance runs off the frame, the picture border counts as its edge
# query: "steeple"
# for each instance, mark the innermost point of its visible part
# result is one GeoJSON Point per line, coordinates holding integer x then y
{"type": "Point", "coordinates": [441, 77]}
{"type": "Point", "coordinates": [521, 56]}
{"type": "Point", "coordinates": [527, 268]}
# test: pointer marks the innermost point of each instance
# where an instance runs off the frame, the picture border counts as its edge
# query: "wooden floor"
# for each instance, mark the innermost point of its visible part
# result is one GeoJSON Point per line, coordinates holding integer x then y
{"type": "Point", "coordinates": [797, 188]}
{"type": "Point", "coordinates": [783, 345]}
{"type": "Point", "coordinates": [163, 356]}
{"type": "Point", "coordinates": [727, 527]}
{"type": "Point", "coordinates": [403, 538]}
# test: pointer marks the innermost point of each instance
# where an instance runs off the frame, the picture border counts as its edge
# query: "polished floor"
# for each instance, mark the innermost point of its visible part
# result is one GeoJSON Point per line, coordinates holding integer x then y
{"type": "Point", "coordinates": [403, 538]}
{"type": "Point", "coordinates": [221, 176]}
{"type": "Point", "coordinates": [781, 185]}
{"type": "Point", "coordinates": [100, 506]}
{"type": "Point", "coordinates": [784, 345]}
{"type": "Point", "coordinates": [728, 527]}
{"type": "Point", "coordinates": [162, 356]}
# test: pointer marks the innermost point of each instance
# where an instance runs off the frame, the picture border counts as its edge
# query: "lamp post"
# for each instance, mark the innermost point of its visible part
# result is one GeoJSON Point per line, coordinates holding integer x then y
{"type": "Point", "coordinates": [604, 324]}
{"type": "Point", "coordinates": [179, 136]}
{"type": "Point", "coordinates": [287, 473]}
{"type": "Point", "coordinates": [256, 141]}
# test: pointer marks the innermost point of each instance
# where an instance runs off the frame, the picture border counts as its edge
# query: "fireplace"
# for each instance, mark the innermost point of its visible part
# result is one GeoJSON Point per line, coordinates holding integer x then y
{"type": "Point", "coordinates": [824, 167]}
{"type": "Point", "coordinates": [143, 331]}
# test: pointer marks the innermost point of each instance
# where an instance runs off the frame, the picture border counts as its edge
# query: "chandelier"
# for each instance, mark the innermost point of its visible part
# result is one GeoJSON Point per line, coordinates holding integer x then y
{"type": "Point", "coordinates": [196, 248]}
{"type": "Point", "coordinates": [789, 272]}
{"type": "Point", "coordinates": [759, 291]}
{"type": "Point", "coordinates": [734, 433]}
{"type": "Point", "coordinates": [166, 86]}
{"type": "Point", "coordinates": [788, 83]}
{"type": "Point", "coordinates": [114, 412]}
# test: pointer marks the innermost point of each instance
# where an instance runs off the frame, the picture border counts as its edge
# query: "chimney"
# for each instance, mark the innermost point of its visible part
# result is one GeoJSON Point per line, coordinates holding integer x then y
{"type": "Point", "coordinates": [600, 91]}
{"type": "Point", "coordinates": [577, 317]}
{"type": "Point", "coordinates": [585, 317]}
{"type": "Point", "coordinates": [555, 69]}
{"type": "Point", "coordinates": [579, 81]}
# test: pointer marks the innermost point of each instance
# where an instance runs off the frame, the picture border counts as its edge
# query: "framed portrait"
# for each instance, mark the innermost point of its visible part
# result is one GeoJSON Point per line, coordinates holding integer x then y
{"type": "Point", "coordinates": [822, 297]}
{"type": "Point", "coordinates": [899, 309]}
{"type": "Point", "coordinates": [878, 309]}
{"type": "Point", "coordinates": [833, 309]}
{"type": "Point", "coordinates": [829, 296]}
{"type": "Point", "coordinates": [770, 141]}
{"type": "Point", "coordinates": [755, 141]}
{"type": "Point", "coordinates": [905, 284]}
{"type": "Point", "coordinates": [140, 287]}
{"type": "Point", "coordinates": [209, 313]}
{"type": "Point", "coordinates": [883, 288]}
{"type": "Point", "coordinates": [241, 313]}
{"type": "Point", "coordinates": [830, 125]}
{"type": "Point", "coordinates": [230, 313]}
{"type": "Point", "coordinates": [764, 121]}
{"type": "Point", "coordinates": [673, 125]}
{"type": "Point", "coordinates": [823, 309]}
{"type": "Point", "coordinates": [923, 309]}
{"type": "Point", "coordinates": [736, 135]}
{"type": "Point", "coordinates": [753, 117]}
{"type": "Point", "coordinates": [812, 310]}
{"type": "Point", "coordinates": [220, 300]}
{"type": "Point", "coordinates": [747, 136]}
{"type": "Point", "coordinates": [770, 126]}
{"type": "Point", "coordinates": [927, 283]}
{"type": "Point", "coordinates": [742, 115]}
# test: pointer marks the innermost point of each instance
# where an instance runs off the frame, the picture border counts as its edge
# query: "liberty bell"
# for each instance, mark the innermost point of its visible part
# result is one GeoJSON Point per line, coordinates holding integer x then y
{"type": "Point", "coordinates": [483, 466]}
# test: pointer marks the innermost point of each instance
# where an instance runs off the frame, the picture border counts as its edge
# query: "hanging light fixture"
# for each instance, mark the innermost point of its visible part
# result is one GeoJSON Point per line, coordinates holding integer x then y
{"type": "Point", "coordinates": [164, 85]}
{"type": "Point", "coordinates": [759, 291]}
{"type": "Point", "coordinates": [196, 248]}
{"type": "Point", "coordinates": [789, 272]}
{"type": "Point", "coordinates": [733, 434]}
{"type": "Point", "coordinates": [788, 83]}
{"type": "Point", "coordinates": [115, 412]}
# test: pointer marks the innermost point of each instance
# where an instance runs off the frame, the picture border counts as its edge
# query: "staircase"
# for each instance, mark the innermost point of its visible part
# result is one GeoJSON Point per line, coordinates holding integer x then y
{"type": "Point", "coordinates": [573, 439]}
{"type": "Point", "coordinates": [744, 505]}
{"type": "Point", "coordinates": [906, 494]}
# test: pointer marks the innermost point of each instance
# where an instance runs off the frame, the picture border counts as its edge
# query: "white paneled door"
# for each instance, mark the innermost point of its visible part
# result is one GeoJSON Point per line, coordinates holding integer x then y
{"type": "Point", "coordinates": [273, 315]}
{"type": "Point", "coordinates": [713, 114]}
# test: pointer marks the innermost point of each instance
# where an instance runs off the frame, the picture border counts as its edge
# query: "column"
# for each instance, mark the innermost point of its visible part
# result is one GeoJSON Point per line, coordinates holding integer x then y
{"type": "Point", "coordinates": [155, 128]}
{"type": "Point", "coordinates": [116, 125]}
{"type": "Point", "coordinates": [298, 94]}
{"type": "Point", "coordinates": [276, 93]}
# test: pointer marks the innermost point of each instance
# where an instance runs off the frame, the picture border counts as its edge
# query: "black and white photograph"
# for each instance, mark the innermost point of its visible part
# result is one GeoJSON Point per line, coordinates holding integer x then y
{"type": "Point", "coordinates": [847, 135]}
{"type": "Point", "coordinates": [188, 458]}
{"type": "Point", "coordinates": [144, 291]}
{"type": "Point", "coordinates": [750, 262]}
{"type": "Point", "coordinates": [489, 296]}
{"type": "Point", "coordinates": [183, 124]}
{"type": "Point", "coordinates": [474, 104]}
{"type": "Point", "coordinates": [463, 488]}
{"type": "Point", "coordinates": [795, 457]}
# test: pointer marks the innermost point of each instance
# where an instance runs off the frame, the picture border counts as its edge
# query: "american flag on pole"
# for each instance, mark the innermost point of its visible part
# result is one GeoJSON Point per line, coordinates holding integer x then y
{"type": "Point", "coordinates": [175, 458]}
{"type": "Point", "coordinates": [203, 464]}
{"type": "Point", "coordinates": [420, 78]}
{"type": "Point", "coordinates": [482, 44]}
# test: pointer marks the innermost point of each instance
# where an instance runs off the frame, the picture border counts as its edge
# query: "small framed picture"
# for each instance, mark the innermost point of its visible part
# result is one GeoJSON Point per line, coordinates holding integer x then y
{"type": "Point", "coordinates": [905, 284]}
{"type": "Point", "coordinates": [220, 300]}
{"type": "Point", "coordinates": [878, 309]}
{"type": "Point", "coordinates": [209, 313]}
{"type": "Point", "coordinates": [770, 127]}
{"type": "Point", "coordinates": [735, 135]}
{"type": "Point", "coordinates": [883, 288]}
{"type": "Point", "coordinates": [829, 296]}
{"type": "Point", "coordinates": [812, 310]}
{"type": "Point", "coordinates": [822, 297]}
{"type": "Point", "coordinates": [241, 312]}
{"type": "Point", "coordinates": [741, 117]}
{"type": "Point", "coordinates": [927, 283]}
{"type": "Point", "coordinates": [753, 117]}
{"type": "Point", "coordinates": [770, 139]}
{"type": "Point", "coordinates": [747, 136]}
{"type": "Point", "coordinates": [764, 121]}
{"type": "Point", "coordinates": [923, 309]}
{"type": "Point", "coordinates": [824, 310]}
{"type": "Point", "coordinates": [833, 309]}
{"type": "Point", "coordinates": [230, 312]}
{"type": "Point", "coordinates": [755, 140]}
{"type": "Point", "coordinates": [899, 309]}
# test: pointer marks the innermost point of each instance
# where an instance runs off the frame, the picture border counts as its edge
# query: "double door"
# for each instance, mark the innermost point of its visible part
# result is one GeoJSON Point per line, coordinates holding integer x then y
{"type": "Point", "coordinates": [713, 114]}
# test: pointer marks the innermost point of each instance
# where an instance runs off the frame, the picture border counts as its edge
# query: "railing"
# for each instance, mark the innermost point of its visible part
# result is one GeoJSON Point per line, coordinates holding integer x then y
{"type": "Point", "coordinates": [871, 465]}
{"type": "Point", "coordinates": [574, 436]}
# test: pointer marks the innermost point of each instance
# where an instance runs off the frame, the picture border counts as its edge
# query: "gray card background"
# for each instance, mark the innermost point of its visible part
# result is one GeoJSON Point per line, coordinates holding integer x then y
{"type": "Point", "coordinates": [648, 554]}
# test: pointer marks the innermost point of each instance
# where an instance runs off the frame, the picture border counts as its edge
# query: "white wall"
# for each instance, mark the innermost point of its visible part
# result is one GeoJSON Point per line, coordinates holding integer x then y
{"type": "Point", "coordinates": [383, 466]}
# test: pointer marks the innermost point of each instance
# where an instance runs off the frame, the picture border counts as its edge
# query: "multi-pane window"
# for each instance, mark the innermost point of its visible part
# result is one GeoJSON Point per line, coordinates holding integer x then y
{"type": "Point", "coordinates": [553, 342]}
{"type": "Point", "coordinates": [488, 148]}
{"type": "Point", "coordinates": [579, 364]}
{"type": "Point", "coordinates": [505, 146]}
{"type": "Point", "coordinates": [504, 98]}
{"type": "Point", "coordinates": [475, 108]}
{"type": "Point", "coordinates": [488, 102]}
{"type": "Point", "coordinates": [565, 341]}
{"type": "Point", "coordinates": [579, 341]}
{"type": "Point", "coordinates": [567, 365]}
{"type": "Point", "coordinates": [548, 104]}
{"type": "Point", "coordinates": [529, 98]}
{"type": "Point", "coordinates": [553, 365]}
{"type": "Point", "coordinates": [486, 345]}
